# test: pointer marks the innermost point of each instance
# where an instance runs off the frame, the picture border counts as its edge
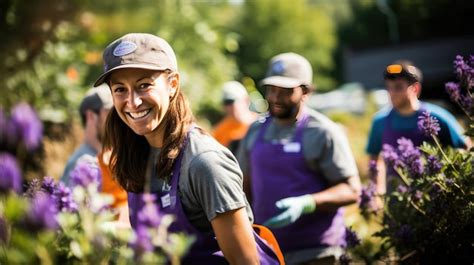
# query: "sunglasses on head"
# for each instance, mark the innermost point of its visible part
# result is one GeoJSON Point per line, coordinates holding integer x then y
{"type": "Point", "coordinates": [405, 71]}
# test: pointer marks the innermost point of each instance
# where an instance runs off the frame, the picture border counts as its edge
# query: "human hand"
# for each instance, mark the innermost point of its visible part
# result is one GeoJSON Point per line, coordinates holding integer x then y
{"type": "Point", "coordinates": [293, 208]}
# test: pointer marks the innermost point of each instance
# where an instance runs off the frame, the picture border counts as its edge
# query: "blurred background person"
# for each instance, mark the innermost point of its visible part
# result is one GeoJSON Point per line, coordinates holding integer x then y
{"type": "Point", "coordinates": [238, 116]}
{"type": "Point", "coordinates": [403, 81]}
{"type": "Point", "coordinates": [94, 108]}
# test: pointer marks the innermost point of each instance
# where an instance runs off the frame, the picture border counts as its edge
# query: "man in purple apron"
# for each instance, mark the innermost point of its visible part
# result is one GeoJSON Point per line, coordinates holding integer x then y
{"type": "Point", "coordinates": [403, 83]}
{"type": "Point", "coordinates": [299, 168]}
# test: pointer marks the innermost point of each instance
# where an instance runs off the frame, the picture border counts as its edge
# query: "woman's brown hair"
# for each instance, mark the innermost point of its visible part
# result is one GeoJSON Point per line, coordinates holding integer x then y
{"type": "Point", "coordinates": [128, 161]}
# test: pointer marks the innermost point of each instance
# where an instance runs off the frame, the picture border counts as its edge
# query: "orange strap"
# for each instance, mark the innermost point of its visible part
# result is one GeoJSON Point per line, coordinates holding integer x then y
{"type": "Point", "coordinates": [270, 239]}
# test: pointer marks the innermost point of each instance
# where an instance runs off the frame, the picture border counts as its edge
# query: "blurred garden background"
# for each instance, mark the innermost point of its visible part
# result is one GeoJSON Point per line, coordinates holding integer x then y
{"type": "Point", "coordinates": [51, 54]}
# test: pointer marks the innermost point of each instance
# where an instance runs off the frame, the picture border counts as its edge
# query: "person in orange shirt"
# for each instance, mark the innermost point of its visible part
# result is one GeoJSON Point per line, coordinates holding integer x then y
{"type": "Point", "coordinates": [112, 187]}
{"type": "Point", "coordinates": [238, 118]}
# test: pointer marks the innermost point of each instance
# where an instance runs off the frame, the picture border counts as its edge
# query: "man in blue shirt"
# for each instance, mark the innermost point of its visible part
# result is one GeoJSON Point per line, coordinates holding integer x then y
{"type": "Point", "coordinates": [403, 83]}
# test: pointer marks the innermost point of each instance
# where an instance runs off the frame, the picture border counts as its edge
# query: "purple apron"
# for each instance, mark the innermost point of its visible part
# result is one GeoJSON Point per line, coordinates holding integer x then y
{"type": "Point", "coordinates": [205, 249]}
{"type": "Point", "coordinates": [279, 171]}
{"type": "Point", "coordinates": [391, 135]}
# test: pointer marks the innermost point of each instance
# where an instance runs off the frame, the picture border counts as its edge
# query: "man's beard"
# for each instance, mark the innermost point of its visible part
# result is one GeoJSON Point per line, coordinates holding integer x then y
{"type": "Point", "coordinates": [288, 112]}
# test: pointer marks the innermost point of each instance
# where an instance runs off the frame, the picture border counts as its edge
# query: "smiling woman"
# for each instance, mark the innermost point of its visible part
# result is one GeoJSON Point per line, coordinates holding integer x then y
{"type": "Point", "coordinates": [142, 103]}
{"type": "Point", "coordinates": [156, 148]}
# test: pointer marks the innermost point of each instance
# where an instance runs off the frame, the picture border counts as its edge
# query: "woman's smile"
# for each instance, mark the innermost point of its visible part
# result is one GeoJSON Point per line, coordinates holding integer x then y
{"type": "Point", "coordinates": [139, 115]}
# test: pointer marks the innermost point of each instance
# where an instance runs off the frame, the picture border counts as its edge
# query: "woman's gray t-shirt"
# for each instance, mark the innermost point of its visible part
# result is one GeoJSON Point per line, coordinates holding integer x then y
{"type": "Point", "coordinates": [210, 181]}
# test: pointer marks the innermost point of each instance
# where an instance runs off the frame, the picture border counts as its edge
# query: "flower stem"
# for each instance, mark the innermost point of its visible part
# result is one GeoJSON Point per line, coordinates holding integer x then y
{"type": "Point", "coordinates": [444, 154]}
{"type": "Point", "coordinates": [400, 174]}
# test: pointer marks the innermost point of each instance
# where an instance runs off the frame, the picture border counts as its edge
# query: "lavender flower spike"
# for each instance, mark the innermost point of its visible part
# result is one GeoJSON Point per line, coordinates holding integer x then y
{"type": "Point", "coordinates": [428, 124]}
{"type": "Point", "coordinates": [142, 242]}
{"type": "Point", "coordinates": [367, 202]}
{"type": "Point", "coordinates": [149, 215]}
{"type": "Point", "coordinates": [390, 155]}
{"type": "Point", "coordinates": [42, 213]}
{"type": "Point", "coordinates": [433, 165]}
{"type": "Point", "coordinates": [63, 197]}
{"type": "Point", "coordinates": [29, 124]}
{"type": "Point", "coordinates": [352, 239]}
{"type": "Point", "coordinates": [86, 172]}
{"type": "Point", "coordinates": [462, 69]}
{"type": "Point", "coordinates": [10, 175]}
{"type": "Point", "coordinates": [453, 90]}
{"type": "Point", "coordinates": [48, 185]}
{"type": "Point", "coordinates": [373, 170]}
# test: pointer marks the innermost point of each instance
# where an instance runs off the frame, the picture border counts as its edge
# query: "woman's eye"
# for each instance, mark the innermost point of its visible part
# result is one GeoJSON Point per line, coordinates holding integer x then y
{"type": "Point", "coordinates": [144, 85]}
{"type": "Point", "coordinates": [118, 89]}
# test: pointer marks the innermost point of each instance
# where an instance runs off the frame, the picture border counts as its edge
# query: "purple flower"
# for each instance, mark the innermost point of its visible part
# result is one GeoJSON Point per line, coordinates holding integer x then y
{"type": "Point", "coordinates": [367, 199]}
{"type": "Point", "coordinates": [142, 242]}
{"type": "Point", "coordinates": [373, 170]}
{"type": "Point", "coordinates": [433, 165]}
{"type": "Point", "coordinates": [10, 175]}
{"type": "Point", "coordinates": [85, 172]}
{"type": "Point", "coordinates": [417, 196]}
{"type": "Point", "coordinates": [410, 156]}
{"type": "Point", "coordinates": [402, 188]}
{"type": "Point", "coordinates": [29, 125]}
{"type": "Point", "coordinates": [48, 185]}
{"type": "Point", "coordinates": [453, 91]}
{"type": "Point", "coordinates": [449, 182]}
{"type": "Point", "coordinates": [390, 156]}
{"type": "Point", "coordinates": [351, 238]}
{"type": "Point", "coordinates": [63, 197]}
{"type": "Point", "coordinates": [435, 189]}
{"type": "Point", "coordinates": [42, 214]}
{"type": "Point", "coordinates": [3, 231]}
{"type": "Point", "coordinates": [149, 215]}
{"type": "Point", "coordinates": [461, 68]}
{"type": "Point", "coordinates": [428, 124]}
{"type": "Point", "coordinates": [33, 187]}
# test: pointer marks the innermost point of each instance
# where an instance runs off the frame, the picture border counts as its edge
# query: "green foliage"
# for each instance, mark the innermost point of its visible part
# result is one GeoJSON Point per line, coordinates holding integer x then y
{"type": "Point", "coordinates": [432, 219]}
{"type": "Point", "coordinates": [270, 27]}
{"type": "Point", "coordinates": [86, 236]}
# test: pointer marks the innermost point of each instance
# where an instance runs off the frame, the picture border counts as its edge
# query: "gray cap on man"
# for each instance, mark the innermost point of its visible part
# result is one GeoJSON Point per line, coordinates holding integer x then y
{"type": "Point", "coordinates": [96, 98]}
{"type": "Point", "coordinates": [288, 70]}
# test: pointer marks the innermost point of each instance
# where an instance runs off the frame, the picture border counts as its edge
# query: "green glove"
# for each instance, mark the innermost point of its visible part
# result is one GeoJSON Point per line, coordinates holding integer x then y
{"type": "Point", "coordinates": [293, 208]}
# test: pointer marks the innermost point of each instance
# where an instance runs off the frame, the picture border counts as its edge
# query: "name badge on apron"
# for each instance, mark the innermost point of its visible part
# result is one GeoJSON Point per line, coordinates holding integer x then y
{"type": "Point", "coordinates": [292, 147]}
{"type": "Point", "coordinates": [166, 200]}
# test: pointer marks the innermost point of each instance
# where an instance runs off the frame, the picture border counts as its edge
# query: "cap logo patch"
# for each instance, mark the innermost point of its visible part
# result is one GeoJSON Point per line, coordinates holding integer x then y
{"type": "Point", "coordinates": [278, 68]}
{"type": "Point", "coordinates": [124, 48]}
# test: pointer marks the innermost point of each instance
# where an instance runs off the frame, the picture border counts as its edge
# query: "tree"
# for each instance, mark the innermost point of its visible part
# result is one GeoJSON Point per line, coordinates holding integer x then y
{"type": "Point", "coordinates": [270, 27]}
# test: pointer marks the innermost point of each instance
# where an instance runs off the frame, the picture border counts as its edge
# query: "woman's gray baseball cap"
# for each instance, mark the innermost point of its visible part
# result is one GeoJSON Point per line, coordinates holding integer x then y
{"type": "Point", "coordinates": [288, 70]}
{"type": "Point", "coordinates": [138, 50]}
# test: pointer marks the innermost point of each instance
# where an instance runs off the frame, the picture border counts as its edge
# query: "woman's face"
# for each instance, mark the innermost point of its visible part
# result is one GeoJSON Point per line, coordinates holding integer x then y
{"type": "Point", "coordinates": [142, 97]}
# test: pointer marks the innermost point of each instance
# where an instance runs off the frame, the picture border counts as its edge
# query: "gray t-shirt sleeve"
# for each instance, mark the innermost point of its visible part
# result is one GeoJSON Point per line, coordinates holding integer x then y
{"type": "Point", "coordinates": [243, 152]}
{"type": "Point", "coordinates": [327, 150]}
{"type": "Point", "coordinates": [216, 183]}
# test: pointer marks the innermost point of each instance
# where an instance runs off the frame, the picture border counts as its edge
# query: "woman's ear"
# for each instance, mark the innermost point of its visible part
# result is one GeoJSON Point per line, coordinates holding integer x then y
{"type": "Point", "coordinates": [173, 82]}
